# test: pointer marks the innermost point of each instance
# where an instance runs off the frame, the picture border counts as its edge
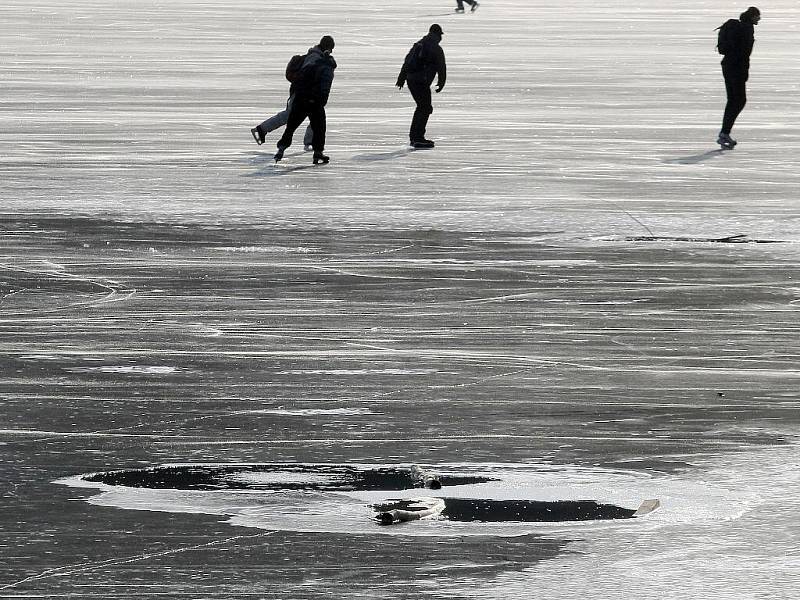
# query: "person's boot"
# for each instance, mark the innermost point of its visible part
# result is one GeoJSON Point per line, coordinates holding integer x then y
{"type": "Point", "coordinates": [422, 144]}
{"type": "Point", "coordinates": [258, 135]}
{"type": "Point", "coordinates": [319, 157]}
{"type": "Point", "coordinates": [726, 141]}
{"type": "Point", "coordinates": [279, 154]}
{"type": "Point", "coordinates": [474, 7]}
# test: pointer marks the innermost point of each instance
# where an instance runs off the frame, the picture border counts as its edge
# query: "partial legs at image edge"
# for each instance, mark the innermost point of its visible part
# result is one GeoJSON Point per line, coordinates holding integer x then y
{"type": "Point", "coordinates": [460, 5]}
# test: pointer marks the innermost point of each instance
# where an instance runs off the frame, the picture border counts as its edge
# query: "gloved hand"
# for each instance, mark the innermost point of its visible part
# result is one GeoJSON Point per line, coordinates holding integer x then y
{"type": "Point", "coordinates": [439, 88]}
{"type": "Point", "coordinates": [400, 84]}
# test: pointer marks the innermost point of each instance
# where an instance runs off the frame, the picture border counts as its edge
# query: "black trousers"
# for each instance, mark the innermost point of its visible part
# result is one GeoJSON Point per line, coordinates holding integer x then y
{"type": "Point", "coordinates": [302, 108]}
{"type": "Point", "coordinates": [736, 89]}
{"type": "Point", "coordinates": [421, 92]}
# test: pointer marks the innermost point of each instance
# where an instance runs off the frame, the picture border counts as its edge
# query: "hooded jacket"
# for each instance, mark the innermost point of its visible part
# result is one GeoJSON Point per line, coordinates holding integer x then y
{"type": "Point", "coordinates": [316, 76]}
{"type": "Point", "coordinates": [432, 63]}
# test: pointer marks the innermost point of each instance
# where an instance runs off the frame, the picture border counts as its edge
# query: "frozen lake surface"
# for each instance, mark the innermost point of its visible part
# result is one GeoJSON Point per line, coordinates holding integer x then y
{"type": "Point", "coordinates": [556, 294]}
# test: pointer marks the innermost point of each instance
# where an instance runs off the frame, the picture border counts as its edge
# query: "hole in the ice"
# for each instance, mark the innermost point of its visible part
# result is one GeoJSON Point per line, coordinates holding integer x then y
{"type": "Point", "coordinates": [352, 478]}
{"type": "Point", "coordinates": [492, 511]}
{"type": "Point", "coordinates": [282, 477]}
{"type": "Point", "coordinates": [470, 510]}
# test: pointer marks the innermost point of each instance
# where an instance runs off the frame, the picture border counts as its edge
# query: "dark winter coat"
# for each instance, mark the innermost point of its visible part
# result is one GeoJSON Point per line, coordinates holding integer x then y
{"type": "Point", "coordinates": [316, 77]}
{"type": "Point", "coordinates": [430, 63]}
{"type": "Point", "coordinates": [739, 40]}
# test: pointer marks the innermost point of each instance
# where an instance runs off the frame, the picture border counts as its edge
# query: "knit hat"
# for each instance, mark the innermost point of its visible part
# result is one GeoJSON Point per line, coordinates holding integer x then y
{"type": "Point", "coordinates": [326, 43]}
{"type": "Point", "coordinates": [750, 13]}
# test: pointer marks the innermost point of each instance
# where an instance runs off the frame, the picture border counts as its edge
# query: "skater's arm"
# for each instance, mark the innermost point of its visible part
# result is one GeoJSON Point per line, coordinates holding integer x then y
{"type": "Point", "coordinates": [401, 78]}
{"type": "Point", "coordinates": [325, 81]}
{"type": "Point", "coordinates": [441, 71]}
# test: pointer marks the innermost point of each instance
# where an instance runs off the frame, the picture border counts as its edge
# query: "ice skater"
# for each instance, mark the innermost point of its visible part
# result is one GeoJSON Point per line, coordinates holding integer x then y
{"type": "Point", "coordinates": [736, 39]}
{"type": "Point", "coordinates": [311, 91]}
{"type": "Point", "coordinates": [460, 5]}
{"type": "Point", "coordinates": [423, 62]}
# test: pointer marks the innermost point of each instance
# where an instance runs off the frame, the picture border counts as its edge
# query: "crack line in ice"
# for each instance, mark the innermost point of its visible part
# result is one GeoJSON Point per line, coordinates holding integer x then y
{"type": "Point", "coordinates": [350, 273]}
{"type": "Point", "coordinates": [111, 296]}
{"type": "Point", "coordinates": [73, 569]}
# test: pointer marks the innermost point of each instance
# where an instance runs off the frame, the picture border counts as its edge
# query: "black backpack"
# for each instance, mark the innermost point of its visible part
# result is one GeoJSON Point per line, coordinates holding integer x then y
{"type": "Point", "coordinates": [726, 39]}
{"type": "Point", "coordinates": [415, 59]}
{"type": "Point", "coordinates": [294, 67]}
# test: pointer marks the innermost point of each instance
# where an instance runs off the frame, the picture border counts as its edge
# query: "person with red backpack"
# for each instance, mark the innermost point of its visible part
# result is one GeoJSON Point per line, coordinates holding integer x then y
{"type": "Point", "coordinates": [312, 87]}
{"type": "Point", "coordinates": [735, 43]}
{"type": "Point", "coordinates": [280, 119]}
{"type": "Point", "coordinates": [423, 62]}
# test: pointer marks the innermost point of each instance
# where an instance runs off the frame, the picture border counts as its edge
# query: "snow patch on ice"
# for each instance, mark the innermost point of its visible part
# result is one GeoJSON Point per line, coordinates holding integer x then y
{"type": "Point", "coordinates": [281, 477]}
{"type": "Point", "coordinates": [307, 412]}
{"type": "Point", "coordinates": [266, 249]}
{"type": "Point", "coordinates": [126, 369]}
{"type": "Point", "coordinates": [358, 372]}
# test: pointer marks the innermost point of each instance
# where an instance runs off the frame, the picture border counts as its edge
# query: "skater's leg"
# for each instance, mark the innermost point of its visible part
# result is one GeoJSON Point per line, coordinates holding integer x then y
{"type": "Point", "coordinates": [318, 127]}
{"type": "Point", "coordinates": [308, 137]}
{"type": "Point", "coordinates": [298, 112]}
{"type": "Point", "coordinates": [460, 5]}
{"type": "Point", "coordinates": [277, 120]}
{"type": "Point", "coordinates": [736, 89]}
{"type": "Point", "coordinates": [422, 96]}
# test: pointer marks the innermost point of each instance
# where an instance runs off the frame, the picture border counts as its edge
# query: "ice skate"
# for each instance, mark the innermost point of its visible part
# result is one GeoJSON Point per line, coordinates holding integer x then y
{"type": "Point", "coordinates": [257, 135]}
{"type": "Point", "coordinates": [474, 7]}
{"type": "Point", "coordinates": [279, 154]}
{"type": "Point", "coordinates": [307, 148]}
{"type": "Point", "coordinates": [460, 10]}
{"type": "Point", "coordinates": [726, 141]}
{"type": "Point", "coordinates": [423, 144]}
{"type": "Point", "coordinates": [319, 157]}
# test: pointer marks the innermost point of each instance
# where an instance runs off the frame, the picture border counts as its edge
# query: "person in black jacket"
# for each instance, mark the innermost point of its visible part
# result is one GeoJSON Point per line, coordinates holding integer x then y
{"type": "Point", "coordinates": [311, 91]}
{"type": "Point", "coordinates": [736, 41]}
{"type": "Point", "coordinates": [423, 62]}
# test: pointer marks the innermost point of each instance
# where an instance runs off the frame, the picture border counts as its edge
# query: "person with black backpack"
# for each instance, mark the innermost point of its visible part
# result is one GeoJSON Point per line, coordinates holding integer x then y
{"type": "Point", "coordinates": [423, 62]}
{"type": "Point", "coordinates": [735, 42]}
{"type": "Point", "coordinates": [280, 119]}
{"type": "Point", "coordinates": [312, 87]}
